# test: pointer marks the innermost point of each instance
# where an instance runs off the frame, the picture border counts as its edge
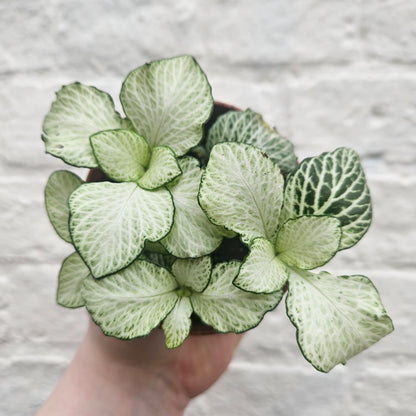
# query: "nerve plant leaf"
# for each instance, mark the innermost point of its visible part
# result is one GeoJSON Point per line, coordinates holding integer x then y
{"type": "Point", "coordinates": [336, 317]}
{"type": "Point", "coordinates": [242, 190]}
{"type": "Point", "coordinates": [308, 242]}
{"type": "Point", "coordinates": [71, 277]}
{"type": "Point", "coordinates": [177, 324]}
{"type": "Point", "coordinates": [193, 273]}
{"type": "Point", "coordinates": [123, 155]}
{"type": "Point", "coordinates": [168, 102]}
{"type": "Point", "coordinates": [227, 308]}
{"type": "Point", "coordinates": [59, 187]}
{"type": "Point", "coordinates": [249, 127]}
{"type": "Point", "coordinates": [110, 223]}
{"type": "Point", "coordinates": [262, 270]}
{"type": "Point", "coordinates": [163, 168]}
{"type": "Point", "coordinates": [192, 234]}
{"type": "Point", "coordinates": [78, 112]}
{"type": "Point", "coordinates": [331, 184]}
{"type": "Point", "coordinates": [131, 303]}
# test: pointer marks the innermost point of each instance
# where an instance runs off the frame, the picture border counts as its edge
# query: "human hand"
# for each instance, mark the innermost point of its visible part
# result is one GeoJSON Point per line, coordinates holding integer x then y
{"type": "Point", "coordinates": [139, 377]}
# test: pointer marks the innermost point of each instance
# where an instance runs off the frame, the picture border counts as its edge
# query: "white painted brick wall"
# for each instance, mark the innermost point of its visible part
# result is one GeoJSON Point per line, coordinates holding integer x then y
{"type": "Point", "coordinates": [326, 73]}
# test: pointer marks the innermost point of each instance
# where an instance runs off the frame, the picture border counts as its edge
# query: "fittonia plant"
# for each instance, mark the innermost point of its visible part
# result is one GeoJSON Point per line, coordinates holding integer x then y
{"type": "Point", "coordinates": [158, 242]}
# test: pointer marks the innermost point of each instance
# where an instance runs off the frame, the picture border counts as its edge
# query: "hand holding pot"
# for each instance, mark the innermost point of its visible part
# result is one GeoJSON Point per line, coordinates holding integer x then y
{"type": "Point", "coordinates": [141, 376]}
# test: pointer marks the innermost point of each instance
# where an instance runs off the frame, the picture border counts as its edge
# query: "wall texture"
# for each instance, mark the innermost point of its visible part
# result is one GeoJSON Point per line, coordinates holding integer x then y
{"type": "Point", "coordinates": [326, 73]}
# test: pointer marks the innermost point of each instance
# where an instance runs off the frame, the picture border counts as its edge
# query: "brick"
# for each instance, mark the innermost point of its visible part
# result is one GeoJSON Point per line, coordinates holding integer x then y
{"type": "Point", "coordinates": [31, 323]}
{"type": "Point", "coordinates": [384, 394]}
{"type": "Point", "coordinates": [277, 391]}
{"type": "Point", "coordinates": [23, 100]}
{"type": "Point", "coordinates": [269, 98]}
{"type": "Point", "coordinates": [25, 385]}
{"type": "Point", "coordinates": [374, 116]}
{"type": "Point", "coordinates": [4, 320]}
{"type": "Point", "coordinates": [26, 232]}
{"type": "Point", "coordinates": [386, 33]}
{"type": "Point", "coordinates": [28, 36]}
{"type": "Point", "coordinates": [122, 37]}
{"type": "Point", "coordinates": [116, 39]}
{"type": "Point", "coordinates": [108, 38]}
{"type": "Point", "coordinates": [269, 33]}
{"type": "Point", "coordinates": [35, 321]}
{"type": "Point", "coordinates": [24, 103]}
{"type": "Point", "coordinates": [5, 301]}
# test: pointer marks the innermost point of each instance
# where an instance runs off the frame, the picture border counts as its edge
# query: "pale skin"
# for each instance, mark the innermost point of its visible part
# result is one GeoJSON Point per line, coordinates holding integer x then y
{"type": "Point", "coordinates": [139, 377]}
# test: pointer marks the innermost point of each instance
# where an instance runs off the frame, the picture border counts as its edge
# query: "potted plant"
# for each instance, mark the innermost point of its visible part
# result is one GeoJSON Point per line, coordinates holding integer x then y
{"type": "Point", "coordinates": [198, 213]}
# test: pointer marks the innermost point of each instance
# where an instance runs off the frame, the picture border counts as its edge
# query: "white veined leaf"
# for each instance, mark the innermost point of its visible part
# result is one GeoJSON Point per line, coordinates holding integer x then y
{"type": "Point", "coordinates": [227, 308]}
{"type": "Point", "coordinates": [59, 187]}
{"type": "Point", "coordinates": [78, 112]}
{"type": "Point", "coordinates": [309, 241]}
{"type": "Point", "coordinates": [193, 273]}
{"type": "Point", "coordinates": [131, 303]}
{"type": "Point", "coordinates": [192, 234]}
{"type": "Point", "coordinates": [163, 168]}
{"type": "Point", "coordinates": [262, 271]}
{"type": "Point", "coordinates": [249, 127]}
{"type": "Point", "coordinates": [123, 155]}
{"type": "Point", "coordinates": [331, 184]}
{"type": "Point", "coordinates": [336, 317]}
{"type": "Point", "coordinates": [71, 277]}
{"type": "Point", "coordinates": [110, 223]}
{"type": "Point", "coordinates": [242, 189]}
{"type": "Point", "coordinates": [178, 323]}
{"type": "Point", "coordinates": [168, 102]}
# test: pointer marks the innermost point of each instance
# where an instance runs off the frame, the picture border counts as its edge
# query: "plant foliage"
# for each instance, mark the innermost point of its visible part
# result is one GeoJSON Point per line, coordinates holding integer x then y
{"type": "Point", "coordinates": [148, 237]}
